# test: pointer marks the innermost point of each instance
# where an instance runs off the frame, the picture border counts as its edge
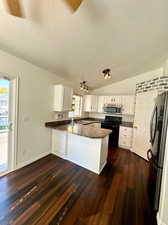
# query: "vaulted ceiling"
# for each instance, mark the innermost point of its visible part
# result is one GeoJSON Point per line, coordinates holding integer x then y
{"type": "Point", "coordinates": [128, 36]}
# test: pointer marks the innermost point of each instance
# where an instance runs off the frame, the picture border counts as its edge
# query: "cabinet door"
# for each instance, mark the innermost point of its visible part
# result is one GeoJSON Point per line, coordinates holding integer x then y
{"type": "Point", "coordinates": [128, 104]}
{"type": "Point", "coordinates": [107, 100]}
{"type": "Point", "coordinates": [117, 100]}
{"type": "Point", "coordinates": [62, 98]}
{"type": "Point", "coordinates": [90, 104]}
{"type": "Point", "coordinates": [94, 103]}
{"type": "Point", "coordinates": [101, 102]}
{"type": "Point", "coordinates": [87, 103]}
{"type": "Point", "coordinates": [125, 137]}
{"type": "Point", "coordinates": [67, 99]}
{"type": "Point", "coordinates": [114, 100]}
{"type": "Point", "coordinates": [59, 143]}
{"type": "Point", "coordinates": [58, 98]}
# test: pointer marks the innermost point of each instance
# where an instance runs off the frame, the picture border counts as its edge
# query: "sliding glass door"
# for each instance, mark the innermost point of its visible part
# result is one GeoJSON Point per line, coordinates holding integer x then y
{"type": "Point", "coordinates": [8, 123]}
{"type": "Point", "coordinates": [4, 122]}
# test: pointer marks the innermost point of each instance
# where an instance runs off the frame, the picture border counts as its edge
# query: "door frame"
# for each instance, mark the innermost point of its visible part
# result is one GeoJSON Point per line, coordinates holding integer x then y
{"type": "Point", "coordinates": [13, 115]}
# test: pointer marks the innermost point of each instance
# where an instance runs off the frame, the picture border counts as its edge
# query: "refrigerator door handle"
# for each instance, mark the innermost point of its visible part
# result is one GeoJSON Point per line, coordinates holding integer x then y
{"type": "Point", "coordinates": [151, 159]}
{"type": "Point", "coordinates": [149, 154]}
{"type": "Point", "coordinates": [154, 115]}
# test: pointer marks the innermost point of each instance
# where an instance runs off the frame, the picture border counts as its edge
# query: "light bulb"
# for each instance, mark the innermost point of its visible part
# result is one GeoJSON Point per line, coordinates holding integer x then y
{"type": "Point", "coordinates": [105, 77]}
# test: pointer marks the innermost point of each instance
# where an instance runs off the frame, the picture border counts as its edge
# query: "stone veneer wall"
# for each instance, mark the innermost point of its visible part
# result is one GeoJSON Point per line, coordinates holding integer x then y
{"type": "Point", "coordinates": [159, 83]}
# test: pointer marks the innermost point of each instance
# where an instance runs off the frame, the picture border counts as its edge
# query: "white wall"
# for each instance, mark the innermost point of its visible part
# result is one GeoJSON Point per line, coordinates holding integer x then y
{"type": "Point", "coordinates": [128, 86]}
{"type": "Point", "coordinates": [35, 105]}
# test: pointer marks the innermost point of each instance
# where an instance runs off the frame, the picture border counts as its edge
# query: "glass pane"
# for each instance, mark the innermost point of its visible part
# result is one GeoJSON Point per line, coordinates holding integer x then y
{"type": "Point", "coordinates": [4, 105]}
{"type": "Point", "coordinates": [77, 106]}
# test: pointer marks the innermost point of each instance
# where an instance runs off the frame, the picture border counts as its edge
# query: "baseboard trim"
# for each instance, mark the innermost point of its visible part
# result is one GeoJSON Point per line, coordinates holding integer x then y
{"type": "Point", "coordinates": [60, 155]}
{"type": "Point", "coordinates": [102, 167]}
{"type": "Point", "coordinates": [23, 164]}
{"type": "Point", "coordinates": [159, 221]}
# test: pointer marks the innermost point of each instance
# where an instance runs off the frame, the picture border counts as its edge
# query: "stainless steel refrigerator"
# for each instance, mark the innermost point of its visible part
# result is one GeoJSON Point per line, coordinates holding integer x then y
{"type": "Point", "coordinates": [158, 133]}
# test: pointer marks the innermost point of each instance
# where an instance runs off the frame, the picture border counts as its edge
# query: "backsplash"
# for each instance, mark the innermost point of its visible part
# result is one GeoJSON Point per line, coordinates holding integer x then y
{"type": "Point", "coordinates": [160, 84]}
{"type": "Point", "coordinates": [125, 118]}
{"type": "Point", "coordinates": [65, 115]}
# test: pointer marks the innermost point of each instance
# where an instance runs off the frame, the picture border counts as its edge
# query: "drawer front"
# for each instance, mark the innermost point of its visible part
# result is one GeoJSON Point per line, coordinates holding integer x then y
{"type": "Point", "coordinates": [125, 142]}
{"type": "Point", "coordinates": [126, 131]}
{"type": "Point", "coordinates": [126, 136]}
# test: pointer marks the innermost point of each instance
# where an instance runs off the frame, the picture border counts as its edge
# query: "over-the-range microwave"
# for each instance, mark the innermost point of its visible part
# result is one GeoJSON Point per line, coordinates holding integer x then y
{"type": "Point", "coordinates": [112, 109]}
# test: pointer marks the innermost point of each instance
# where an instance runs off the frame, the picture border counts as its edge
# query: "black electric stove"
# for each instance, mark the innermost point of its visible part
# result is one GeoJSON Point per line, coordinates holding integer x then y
{"type": "Point", "coordinates": [112, 123]}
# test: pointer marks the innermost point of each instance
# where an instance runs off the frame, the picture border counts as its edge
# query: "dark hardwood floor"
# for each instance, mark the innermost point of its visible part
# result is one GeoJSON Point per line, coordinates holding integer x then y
{"type": "Point", "coordinates": [56, 192]}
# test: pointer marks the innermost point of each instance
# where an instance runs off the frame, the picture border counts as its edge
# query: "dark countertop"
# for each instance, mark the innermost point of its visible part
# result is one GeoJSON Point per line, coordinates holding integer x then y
{"type": "Point", "coordinates": [84, 130]}
{"type": "Point", "coordinates": [84, 121]}
{"type": "Point", "coordinates": [127, 124]}
{"type": "Point", "coordinates": [68, 121]}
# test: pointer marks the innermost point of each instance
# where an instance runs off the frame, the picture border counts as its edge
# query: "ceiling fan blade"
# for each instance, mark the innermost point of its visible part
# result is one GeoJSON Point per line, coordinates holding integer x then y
{"type": "Point", "coordinates": [14, 8]}
{"type": "Point", "coordinates": [74, 4]}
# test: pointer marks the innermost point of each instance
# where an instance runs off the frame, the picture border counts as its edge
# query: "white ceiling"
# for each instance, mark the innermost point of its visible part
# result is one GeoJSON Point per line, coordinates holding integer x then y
{"type": "Point", "coordinates": [128, 36]}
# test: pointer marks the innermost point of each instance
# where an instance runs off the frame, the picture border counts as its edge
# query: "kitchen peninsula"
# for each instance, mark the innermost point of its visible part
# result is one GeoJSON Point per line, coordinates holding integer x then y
{"type": "Point", "coordinates": [82, 144]}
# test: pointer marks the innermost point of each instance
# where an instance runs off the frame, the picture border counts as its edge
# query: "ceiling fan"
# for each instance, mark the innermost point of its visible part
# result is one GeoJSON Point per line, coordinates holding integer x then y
{"type": "Point", "coordinates": [14, 7]}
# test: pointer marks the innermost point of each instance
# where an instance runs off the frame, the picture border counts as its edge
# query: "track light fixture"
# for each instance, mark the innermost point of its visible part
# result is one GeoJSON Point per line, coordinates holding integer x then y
{"type": "Point", "coordinates": [106, 74]}
{"type": "Point", "coordinates": [84, 86]}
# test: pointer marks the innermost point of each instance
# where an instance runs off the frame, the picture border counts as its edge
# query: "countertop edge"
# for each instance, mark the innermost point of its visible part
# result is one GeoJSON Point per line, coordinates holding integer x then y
{"type": "Point", "coordinates": [65, 128]}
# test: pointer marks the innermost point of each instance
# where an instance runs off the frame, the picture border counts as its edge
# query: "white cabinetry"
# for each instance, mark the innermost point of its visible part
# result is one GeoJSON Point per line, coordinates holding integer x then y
{"type": "Point", "coordinates": [105, 100]}
{"type": "Point", "coordinates": [90, 103]}
{"type": "Point", "coordinates": [62, 98]}
{"type": "Point", "coordinates": [90, 153]}
{"type": "Point", "coordinates": [101, 102]}
{"type": "Point", "coordinates": [96, 103]}
{"type": "Point", "coordinates": [114, 100]}
{"type": "Point", "coordinates": [128, 105]}
{"type": "Point", "coordinates": [125, 137]}
{"type": "Point", "coordinates": [59, 143]}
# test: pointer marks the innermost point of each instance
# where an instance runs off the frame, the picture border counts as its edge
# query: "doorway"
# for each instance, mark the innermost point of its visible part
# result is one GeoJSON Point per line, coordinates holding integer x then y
{"type": "Point", "coordinates": [8, 124]}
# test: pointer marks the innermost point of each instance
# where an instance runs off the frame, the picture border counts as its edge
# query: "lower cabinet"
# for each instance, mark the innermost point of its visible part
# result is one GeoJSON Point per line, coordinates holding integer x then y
{"type": "Point", "coordinates": [125, 137]}
{"type": "Point", "coordinates": [90, 153]}
{"type": "Point", "coordinates": [59, 143]}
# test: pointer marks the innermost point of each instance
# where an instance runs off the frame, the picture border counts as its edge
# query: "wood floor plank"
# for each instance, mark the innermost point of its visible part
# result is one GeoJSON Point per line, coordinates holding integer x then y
{"type": "Point", "coordinates": [53, 191]}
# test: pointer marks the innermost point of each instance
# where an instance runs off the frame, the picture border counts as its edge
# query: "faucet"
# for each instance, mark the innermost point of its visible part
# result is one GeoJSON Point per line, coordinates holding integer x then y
{"type": "Point", "coordinates": [72, 121]}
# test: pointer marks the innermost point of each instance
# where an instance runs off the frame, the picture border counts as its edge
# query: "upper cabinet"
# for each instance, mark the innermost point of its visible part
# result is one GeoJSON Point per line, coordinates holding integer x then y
{"type": "Point", "coordinates": [114, 100]}
{"type": "Point", "coordinates": [101, 102]}
{"type": "Point", "coordinates": [96, 103]}
{"type": "Point", "coordinates": [90, 103]}
{"type": "Point", "coordinates": [128, 105]}
{"type": "Point", "coordinates": [62, 98]}
{"type": "Point", "coordinates": [105, 100]}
